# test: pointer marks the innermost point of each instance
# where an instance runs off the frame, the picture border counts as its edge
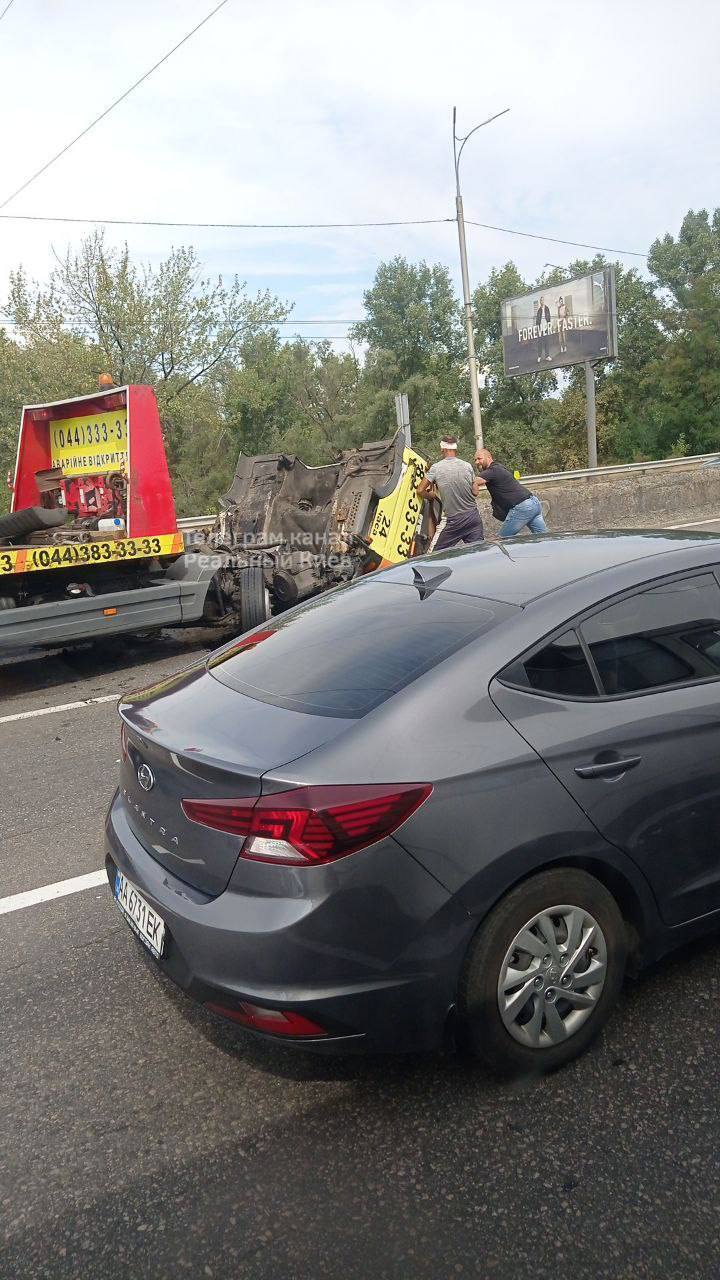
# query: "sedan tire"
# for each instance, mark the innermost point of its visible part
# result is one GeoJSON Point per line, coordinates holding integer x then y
{"type": "Point", "coordinates": [542, 973]}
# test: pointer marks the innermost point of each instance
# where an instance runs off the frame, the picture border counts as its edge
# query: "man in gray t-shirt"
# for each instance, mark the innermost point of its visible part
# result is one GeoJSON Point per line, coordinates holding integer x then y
{"type": "Point", "coordinates": [458, 487]}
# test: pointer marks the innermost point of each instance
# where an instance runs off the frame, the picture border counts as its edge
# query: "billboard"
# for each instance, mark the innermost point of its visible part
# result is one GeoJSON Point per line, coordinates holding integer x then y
{"type": "Point", "coordinates": [560, 324]}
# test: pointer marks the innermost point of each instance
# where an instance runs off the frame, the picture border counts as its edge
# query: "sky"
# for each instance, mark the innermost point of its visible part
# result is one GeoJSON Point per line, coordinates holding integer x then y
{"type": "Point", "coordinates": [308, 111]}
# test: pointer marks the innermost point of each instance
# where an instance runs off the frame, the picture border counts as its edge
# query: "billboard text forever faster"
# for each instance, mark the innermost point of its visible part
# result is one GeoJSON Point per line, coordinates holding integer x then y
{"type": "Point", "coordinates": [560, 325]}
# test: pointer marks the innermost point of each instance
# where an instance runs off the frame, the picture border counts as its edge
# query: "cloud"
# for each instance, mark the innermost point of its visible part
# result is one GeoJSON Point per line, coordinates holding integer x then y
{"type": "Point", "coordinates": [325, 111]}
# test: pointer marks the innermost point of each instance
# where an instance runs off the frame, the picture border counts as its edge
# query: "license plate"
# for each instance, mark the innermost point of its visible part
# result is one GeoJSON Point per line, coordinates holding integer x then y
{"type": "Point", "coordinates": [141, 917]}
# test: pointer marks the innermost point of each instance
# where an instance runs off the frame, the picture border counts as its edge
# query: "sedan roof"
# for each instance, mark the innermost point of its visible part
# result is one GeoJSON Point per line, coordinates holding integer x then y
{"type": "Point", "coordinates": [523, 569]}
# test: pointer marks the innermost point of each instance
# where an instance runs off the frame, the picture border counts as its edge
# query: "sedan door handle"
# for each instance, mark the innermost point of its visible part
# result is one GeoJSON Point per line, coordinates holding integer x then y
{"type": "Point", "coordinates": [608, 768]}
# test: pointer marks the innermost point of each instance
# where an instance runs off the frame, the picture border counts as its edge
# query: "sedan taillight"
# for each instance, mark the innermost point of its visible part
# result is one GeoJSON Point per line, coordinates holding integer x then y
{"type": "Point", "coordinates": [311, 825]}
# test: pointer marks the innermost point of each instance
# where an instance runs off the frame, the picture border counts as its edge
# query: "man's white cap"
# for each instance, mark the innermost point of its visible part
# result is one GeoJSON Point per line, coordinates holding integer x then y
{"type": "Point", "coordinates": [448, 444]}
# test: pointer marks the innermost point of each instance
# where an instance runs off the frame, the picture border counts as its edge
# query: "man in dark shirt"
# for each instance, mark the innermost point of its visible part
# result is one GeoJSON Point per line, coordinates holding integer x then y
{"type": "Point", "coordinates": [512, 503]}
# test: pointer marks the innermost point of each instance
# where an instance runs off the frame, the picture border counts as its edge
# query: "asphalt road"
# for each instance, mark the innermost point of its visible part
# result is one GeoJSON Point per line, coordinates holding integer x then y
{"type": "Point", "coordinates": [140, 1138]}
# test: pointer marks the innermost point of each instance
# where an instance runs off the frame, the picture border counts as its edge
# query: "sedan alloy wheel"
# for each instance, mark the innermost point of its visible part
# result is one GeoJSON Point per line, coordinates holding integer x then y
{"type": "Point", "coordinates": [552, 976]}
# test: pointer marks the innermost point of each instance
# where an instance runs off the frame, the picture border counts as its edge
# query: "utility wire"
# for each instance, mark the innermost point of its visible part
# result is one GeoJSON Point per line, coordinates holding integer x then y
{"type": "Point", "coordinates": [578, 244]}
{"type": "Point", "coordinates": [9, 5]}
{"type": "Point", "coordinates": [307, 226]}
{"type": "Point", "coordinates": [219, 226]}
{"type": "Point", "coordinates": [113, 105]}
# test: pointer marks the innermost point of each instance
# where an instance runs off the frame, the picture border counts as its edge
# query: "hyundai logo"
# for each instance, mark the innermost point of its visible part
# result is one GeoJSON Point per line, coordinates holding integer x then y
{"type": "Point", "coordinates": [146, 777]}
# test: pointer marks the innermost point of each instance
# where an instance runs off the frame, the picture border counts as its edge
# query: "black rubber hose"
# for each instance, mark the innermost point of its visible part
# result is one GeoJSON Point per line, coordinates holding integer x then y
{"type": "Point", "coordinates": [20, 523]}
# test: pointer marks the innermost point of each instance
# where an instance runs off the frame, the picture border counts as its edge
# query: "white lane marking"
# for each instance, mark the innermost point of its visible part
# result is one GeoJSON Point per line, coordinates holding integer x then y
{"type": "Point", "coordinates": [64, 706]}
{"type": "Point", "coordinates": [51, 891]}
{"type": "Point", "coordinates": [694, 523]}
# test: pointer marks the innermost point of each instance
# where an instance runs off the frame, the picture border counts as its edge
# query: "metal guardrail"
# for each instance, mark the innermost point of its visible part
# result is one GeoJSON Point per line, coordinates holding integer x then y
{"type": "Point", "coordinates": [628, 468]}
{"type": "Point", "coordinates": [192, 523]}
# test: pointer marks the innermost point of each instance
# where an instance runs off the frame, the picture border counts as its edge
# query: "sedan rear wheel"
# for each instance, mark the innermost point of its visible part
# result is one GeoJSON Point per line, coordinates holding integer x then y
{"type": "Point", "coordinates": [542, 973]}
{"type": "Point", "coordinates": [552, 976]}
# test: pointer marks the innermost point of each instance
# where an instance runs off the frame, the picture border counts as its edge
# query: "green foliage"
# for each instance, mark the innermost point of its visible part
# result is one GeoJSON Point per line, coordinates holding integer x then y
{"type": "Point", "coordinates": [412, 313]}
{"type": "Point", "coordinates": [415, 344]}
{"type": "Point", "coordinates": [685, 378]}
{"type": "Point", "coordinates": [155, 326]}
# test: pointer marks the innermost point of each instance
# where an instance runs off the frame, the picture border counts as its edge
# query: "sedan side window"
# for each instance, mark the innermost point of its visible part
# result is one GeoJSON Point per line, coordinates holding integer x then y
{"type": "Point", "coordinates": [667, 635]}
{"type": "Point", "coordinates": [560, 669]}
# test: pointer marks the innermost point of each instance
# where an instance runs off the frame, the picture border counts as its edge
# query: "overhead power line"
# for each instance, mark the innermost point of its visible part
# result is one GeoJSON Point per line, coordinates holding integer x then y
{"type": "Point", "coordinates": [307, 226]}
{"type": "Point", "coordinates": [220, 226]}
{"type": "Point", "coordinates": [9, 5]}
{"type": "Point", "coordinates": [113, 105]}
{"type": "Point", "coordinates": [578, 244]}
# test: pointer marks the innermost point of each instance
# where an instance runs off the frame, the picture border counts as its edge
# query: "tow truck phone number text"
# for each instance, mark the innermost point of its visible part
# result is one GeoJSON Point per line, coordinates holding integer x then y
{"type": "Point", "coordinates": [81, 553]}
{"type": "Point", "coordinates": [414, 508]}
{"type": "Point", "coordinates": [87, 433]}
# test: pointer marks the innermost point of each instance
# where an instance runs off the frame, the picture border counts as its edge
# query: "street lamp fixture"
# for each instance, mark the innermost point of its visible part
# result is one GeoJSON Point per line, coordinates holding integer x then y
{"type": "Point", "coordinates": [472, 358]}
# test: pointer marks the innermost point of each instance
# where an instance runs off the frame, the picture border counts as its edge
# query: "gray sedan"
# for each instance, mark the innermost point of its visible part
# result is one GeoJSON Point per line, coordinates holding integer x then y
{"type": "Point", "coordinates": [451, 800]}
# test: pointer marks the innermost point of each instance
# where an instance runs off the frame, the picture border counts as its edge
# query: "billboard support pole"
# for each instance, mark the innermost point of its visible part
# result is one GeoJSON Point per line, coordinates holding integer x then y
{"type": "Point", "coordinates": [590, 413]}
{"type": "Point", "coordinates": [467, 303]}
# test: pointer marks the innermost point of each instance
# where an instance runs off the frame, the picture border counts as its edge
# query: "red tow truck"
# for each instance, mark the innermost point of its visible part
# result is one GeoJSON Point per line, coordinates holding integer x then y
{"type": "Point", "coordinates": [91, 545]}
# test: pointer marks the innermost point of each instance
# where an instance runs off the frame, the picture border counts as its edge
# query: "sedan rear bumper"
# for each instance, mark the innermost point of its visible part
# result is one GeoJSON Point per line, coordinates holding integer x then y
{"type": "Point", "coordinates": [371, 951]}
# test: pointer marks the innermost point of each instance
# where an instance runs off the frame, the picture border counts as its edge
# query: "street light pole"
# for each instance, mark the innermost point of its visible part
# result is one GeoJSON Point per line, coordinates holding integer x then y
{"type": "Point", "coordinates": [467, 303]}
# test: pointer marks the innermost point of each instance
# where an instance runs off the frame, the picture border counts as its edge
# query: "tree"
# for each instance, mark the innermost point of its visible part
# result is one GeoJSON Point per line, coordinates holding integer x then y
{"type": "Point", "coordinates": [299, 397]}
{"type": "Point", "coordinates": [678, 265]}
{"type": "Point", "coordinates": [415, 345]}
{"type": "Point", "coordinates": [167, 326]}
{"type": "Point", "coordinates": [412, 313]}
{"type": "Point", "coordinates": [687, 378]}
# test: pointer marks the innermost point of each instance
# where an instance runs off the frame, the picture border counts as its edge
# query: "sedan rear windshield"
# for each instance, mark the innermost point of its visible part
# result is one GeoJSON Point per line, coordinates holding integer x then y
{"type": "Point", "coordinates": [344, 653]}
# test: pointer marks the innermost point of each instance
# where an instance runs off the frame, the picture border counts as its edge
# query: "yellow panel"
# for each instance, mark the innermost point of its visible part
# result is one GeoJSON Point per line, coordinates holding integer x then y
{"type": "Point", "coordinates": [90, 445]}
{"type": "Point", "coordinates": [398, 516]}
{"type": "Point", "coordinates": [72, 555]}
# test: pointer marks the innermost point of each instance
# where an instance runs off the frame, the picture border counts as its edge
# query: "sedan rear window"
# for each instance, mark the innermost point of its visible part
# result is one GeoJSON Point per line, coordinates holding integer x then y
{"type": "Point", "coordinates": [344, 653]}
{"type": "Point", "coordinates": [560, 669]}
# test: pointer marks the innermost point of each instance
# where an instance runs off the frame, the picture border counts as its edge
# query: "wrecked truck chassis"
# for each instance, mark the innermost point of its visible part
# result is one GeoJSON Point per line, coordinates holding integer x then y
{"type": "Point", "coordinates": [306, 529]}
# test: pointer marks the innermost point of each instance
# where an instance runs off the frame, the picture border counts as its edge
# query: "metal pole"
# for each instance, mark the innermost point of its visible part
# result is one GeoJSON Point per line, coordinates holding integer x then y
{"type": "Point", "coordinates": [402, 413]}
{"type": "Point", "coordinates": [472, 357]}
{"type": "Point", "coordinates": [590, 413]}
{"type": "Point", "coordinates": [470, 336]}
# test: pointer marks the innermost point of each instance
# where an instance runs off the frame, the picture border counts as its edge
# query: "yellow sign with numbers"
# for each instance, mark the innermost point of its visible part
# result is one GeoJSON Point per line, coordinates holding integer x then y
{"type": "Point", "coordinates": [90, 445]}
{"type": "Point", "coordinates": [75, 555]}
{"type": "Point", "coordinates": [398, 516]}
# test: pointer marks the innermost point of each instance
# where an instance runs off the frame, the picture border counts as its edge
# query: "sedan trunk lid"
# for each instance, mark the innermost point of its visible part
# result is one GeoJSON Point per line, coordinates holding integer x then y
{"type": "Point", "coordinates": [191, 737]}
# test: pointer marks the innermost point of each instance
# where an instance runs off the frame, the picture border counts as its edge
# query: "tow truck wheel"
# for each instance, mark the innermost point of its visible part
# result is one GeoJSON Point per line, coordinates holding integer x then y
{"type": "Point", "coordinates": [254, 597]}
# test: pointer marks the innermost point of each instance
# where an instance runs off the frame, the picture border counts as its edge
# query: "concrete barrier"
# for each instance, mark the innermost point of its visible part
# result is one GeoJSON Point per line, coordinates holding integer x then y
{"type": "Point", "coordinates": [635, 500]}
